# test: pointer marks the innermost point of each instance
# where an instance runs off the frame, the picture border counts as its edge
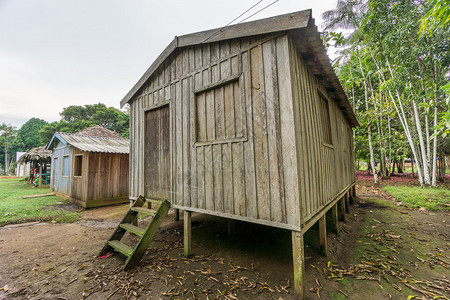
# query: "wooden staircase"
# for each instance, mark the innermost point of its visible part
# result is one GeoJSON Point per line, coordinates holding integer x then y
{"type": "Point", "coordinates": [134, 255]}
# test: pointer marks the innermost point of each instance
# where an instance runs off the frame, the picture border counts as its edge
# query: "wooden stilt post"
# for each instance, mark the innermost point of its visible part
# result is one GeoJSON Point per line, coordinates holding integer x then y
{"type": "Point", "coordinates": [342, 209]}
{"type": "Point", "coordinates": [350, 193]}
{"type": "Point", "coordinates": [231, 227]}
{"type": "Point", "coordinates": [135, 220]}
{"type": "Point", "coordinates": [299, 264]}
{"type": "Point", "coordinates": [347, 202]}
{"type": "Point", "coordinates": [176, 214]}
{"type": "Point", "coordinates": [40, 173]}
{"type": "Point", "coordinates": [332, 215]}
{"type": "Point", "coordinates": [187, 233]}
{"type": "Point", "coordinates": [323, 235]}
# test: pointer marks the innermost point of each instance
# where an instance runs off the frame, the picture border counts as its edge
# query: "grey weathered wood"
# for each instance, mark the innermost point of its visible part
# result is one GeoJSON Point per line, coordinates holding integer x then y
{"type": "Point", "coordinates": [264, 68]}
{"type": "Point", "coordinates": [341, 207]}
{"type": "Point", "coordinates": [39, 195]}
{"type": "Point", "coordinates": [299, 264]}
{"type": "Point", "coordinates": [323, 235]}
{"type": "Point", "coordinates": [187, 234]}
{"type": "Point", "coordinates": [250, 135]}
{"type": "Point", "coordinates": [347, 203]}
{"type": "Point", "coordinates": [333, 218]}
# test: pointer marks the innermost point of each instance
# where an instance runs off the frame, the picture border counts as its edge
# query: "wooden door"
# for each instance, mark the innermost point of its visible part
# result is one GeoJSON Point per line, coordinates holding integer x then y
{"type": "Point", "coordinates": [157, 153]}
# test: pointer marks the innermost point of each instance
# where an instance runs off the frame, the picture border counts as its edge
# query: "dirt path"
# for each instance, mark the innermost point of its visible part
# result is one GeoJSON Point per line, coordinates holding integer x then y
{"type": "Point", "coordinates": [380, 250]}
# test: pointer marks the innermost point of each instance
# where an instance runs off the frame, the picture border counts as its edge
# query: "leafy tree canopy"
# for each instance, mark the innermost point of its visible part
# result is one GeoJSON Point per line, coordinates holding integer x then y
{"type": "Point", "coordinates": [28, 136]}
{"type": "Point", "coordinates": [75, 118]}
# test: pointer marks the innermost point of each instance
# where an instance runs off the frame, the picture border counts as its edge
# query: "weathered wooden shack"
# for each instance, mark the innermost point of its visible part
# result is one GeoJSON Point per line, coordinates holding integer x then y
{"type": "Point", "coordinates": [247, 122]}
{"type": "Point", "coordinates": [91, 166]}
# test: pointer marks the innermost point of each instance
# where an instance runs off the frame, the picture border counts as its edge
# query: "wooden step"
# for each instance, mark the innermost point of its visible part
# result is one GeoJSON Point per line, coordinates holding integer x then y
{"type": "Point", "coordinates": [145, 211]}
{"type": "Point", "coordinates": [154, 201]}
{"type": "Point", "coordinates": [133, 229]}
{"type": "Point", "coordinates": [121, 247]}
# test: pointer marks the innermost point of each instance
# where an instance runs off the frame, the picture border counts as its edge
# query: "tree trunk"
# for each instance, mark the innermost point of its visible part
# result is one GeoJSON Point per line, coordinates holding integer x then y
{"type": "Point", "coordinates": [442, 166]}
{"type": "Point", "coordinates": [393, 166]}
{"type": "Point", "coordinates": [6, 156]}
{"type": "Point", "coordinates": [427, 137]}
{"type": "Point", "coordinates": [400, 166]}
{"type": "Point", "coordinates": [372, 161]}
{"type": "Point", "coordinates": [412, 167]}
{"type": "Point", "coordinates": [401, 114]}
{"type": "Point", "coordinates": [433, 173]}
{"type": "Point", "coordinates": [369, 133]}
{"type": "Point", "coordinates": [422, 145]}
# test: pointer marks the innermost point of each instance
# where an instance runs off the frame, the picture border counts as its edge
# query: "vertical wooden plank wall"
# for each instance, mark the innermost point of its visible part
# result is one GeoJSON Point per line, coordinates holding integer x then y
{"type": "Point", "coordinates": [104, 176]}
{"type": "Point", "coordinates": [60, 184]}
{"type": "Point", "coordinates": [326, 169]}
{"type": "Point", "coordinates": [234, 146]}
{"type": "Point", "coordinates": [76, 181]}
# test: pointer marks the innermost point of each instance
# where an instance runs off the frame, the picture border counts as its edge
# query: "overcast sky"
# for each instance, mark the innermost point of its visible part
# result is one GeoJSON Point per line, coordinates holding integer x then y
{"type": "Point", "coordinates": [56, 53]}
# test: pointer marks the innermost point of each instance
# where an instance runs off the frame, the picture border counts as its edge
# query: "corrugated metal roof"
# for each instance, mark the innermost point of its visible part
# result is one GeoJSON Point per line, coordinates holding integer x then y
{"type": "Point", "coordinates": [96, 144]}
{"type": "Point", "coordinates": [99, 131]}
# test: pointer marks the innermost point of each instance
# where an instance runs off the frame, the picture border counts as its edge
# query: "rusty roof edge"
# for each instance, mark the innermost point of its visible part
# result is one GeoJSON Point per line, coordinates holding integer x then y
{"type": "Point", "coordinates": [93, 136]}
{"type": "Point", "coordinates": [299, 19]}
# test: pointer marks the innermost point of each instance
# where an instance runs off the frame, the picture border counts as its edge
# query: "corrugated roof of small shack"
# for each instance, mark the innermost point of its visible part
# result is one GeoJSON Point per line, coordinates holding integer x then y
{"type": "Point", "coordinates": [99, 131]}
{"type": "Point", "coordinates": [306, 37]}
{"type": "Point", "coordinates": [36, 154]}
{"type": "Point", "coordinates": [93, 139]}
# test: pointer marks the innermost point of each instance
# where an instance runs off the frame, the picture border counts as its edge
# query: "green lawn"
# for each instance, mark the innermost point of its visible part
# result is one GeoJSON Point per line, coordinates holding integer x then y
{"type": "Point", "coordinates": [14, 209]}
{"type": "Point", "coordinates": [430, 198]}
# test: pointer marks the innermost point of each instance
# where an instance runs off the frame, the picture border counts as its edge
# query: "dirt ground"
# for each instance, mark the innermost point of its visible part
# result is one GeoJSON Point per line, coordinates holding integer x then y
{"type": "Point", "coordinates": [383, 250]}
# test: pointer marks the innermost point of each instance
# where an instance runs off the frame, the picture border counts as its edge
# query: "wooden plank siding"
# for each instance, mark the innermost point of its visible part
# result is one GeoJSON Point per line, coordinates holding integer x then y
{"type": "Point", "coordinates": [103, 180]}
{"type": "Point", "coordinates": [245, 132]}
{"type": "Point", "coordinates": [326, 168]}
{"type": "Point", "coordinates": [60, 184]}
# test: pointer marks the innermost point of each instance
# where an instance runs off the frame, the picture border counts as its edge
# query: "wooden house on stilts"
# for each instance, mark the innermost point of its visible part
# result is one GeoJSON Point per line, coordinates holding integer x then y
{"type": "Point", "coordinates": [91, 166]}
{"type": "Point", "coordinates": [247, 122]}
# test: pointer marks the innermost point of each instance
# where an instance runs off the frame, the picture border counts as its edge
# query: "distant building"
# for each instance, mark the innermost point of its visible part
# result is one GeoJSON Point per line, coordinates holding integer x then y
{"type": "Point", "coordinates": [91, 166]}
{"type": "Point", "coordinates": [22, 169]}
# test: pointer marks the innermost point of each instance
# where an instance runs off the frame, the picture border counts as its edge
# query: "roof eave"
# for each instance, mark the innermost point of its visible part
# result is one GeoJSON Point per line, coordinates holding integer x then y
{"type": "Point", "coordinates": [56, 135]}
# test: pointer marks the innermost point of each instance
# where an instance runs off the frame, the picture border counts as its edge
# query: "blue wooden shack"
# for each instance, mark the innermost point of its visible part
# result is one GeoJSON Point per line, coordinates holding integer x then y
{"type": "Point", "coordinates": [90, 167]}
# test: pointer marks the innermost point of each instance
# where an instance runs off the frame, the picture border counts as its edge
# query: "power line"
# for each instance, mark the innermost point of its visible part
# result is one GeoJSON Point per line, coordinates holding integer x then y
{"type": "Point", "coordinates": [245, 12]}
{"type": "Point", "coordinates": [259, 11]}
{"type": "Point", "coordinates": [226, 27]}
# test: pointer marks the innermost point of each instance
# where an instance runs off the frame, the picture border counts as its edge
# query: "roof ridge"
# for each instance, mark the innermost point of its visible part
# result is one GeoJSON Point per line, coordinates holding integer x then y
{"type": "Point", "coordinates": [93, 136]}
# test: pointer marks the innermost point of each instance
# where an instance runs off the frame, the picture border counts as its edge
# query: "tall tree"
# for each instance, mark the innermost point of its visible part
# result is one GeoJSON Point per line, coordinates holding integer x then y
{"type": "Point", "coordinates": [399, 71]}
{"type": "Point", "coordinates": [28, 135]}
{"type": "Point", "coordinates": [7, 135]}
{"type": "Point", "coordinates": [75, 118]}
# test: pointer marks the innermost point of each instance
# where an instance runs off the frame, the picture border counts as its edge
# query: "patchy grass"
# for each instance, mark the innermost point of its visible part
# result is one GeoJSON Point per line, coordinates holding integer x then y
{"type": "Point", "coordinates": [14, 209]}
{"type": "Point", "coordinates": [416, 197]}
